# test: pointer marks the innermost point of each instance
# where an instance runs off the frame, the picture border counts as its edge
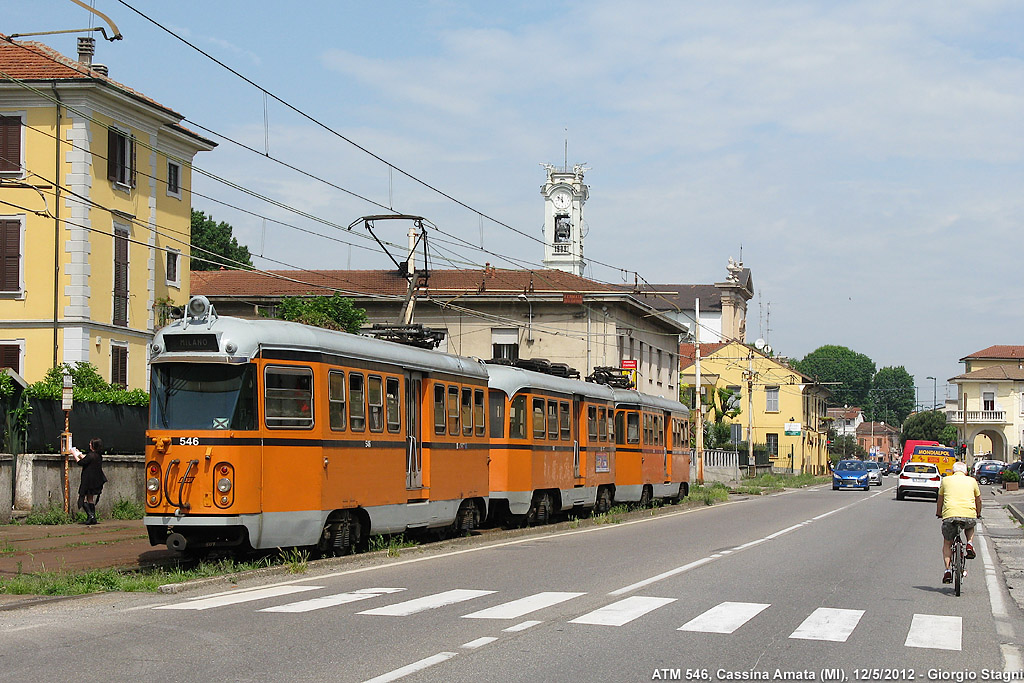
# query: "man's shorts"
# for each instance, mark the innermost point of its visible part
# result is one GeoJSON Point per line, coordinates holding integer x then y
{"type": "Point", "coordinates": [951, 526]}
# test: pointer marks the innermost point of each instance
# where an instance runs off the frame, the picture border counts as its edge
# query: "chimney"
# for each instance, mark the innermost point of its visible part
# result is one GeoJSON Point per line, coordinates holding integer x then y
{"type": "Point", "coordinates": [101, 69]}
{"type": "Point", "coordinates": [86, 49]}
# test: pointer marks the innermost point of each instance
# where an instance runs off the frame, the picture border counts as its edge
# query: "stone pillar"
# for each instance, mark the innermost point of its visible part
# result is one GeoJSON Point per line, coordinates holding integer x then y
{"type": "Point", "coordinates": [23, 483]}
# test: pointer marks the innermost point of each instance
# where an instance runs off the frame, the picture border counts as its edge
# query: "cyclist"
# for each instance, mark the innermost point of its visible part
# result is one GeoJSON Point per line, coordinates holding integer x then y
{"type": "Point", "coordinates": [959, 506]}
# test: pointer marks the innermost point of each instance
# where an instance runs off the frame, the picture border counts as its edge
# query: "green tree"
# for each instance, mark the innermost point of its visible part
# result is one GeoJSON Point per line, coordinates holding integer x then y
{"type": "Point", "coordinates": [852, 370]}
{"type": "Point", "coordinates": [332, 312]}
{"type": "Point", "coordinates": [924, 426]}
{"type": "Point", "coordinates": [892, 396]}
{"type": "Point", "coordinates": [210, 236]}
{"type": "Point", "coordinates": [845, 447]}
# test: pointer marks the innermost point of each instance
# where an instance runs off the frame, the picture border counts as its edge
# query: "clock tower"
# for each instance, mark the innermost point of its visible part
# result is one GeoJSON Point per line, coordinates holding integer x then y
{"type": "Point", "coordinates": [564, 195]}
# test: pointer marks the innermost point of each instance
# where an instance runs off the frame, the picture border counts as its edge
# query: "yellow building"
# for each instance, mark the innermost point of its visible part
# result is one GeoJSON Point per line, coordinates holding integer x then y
{"type": "Point", "coordinates": [778, 406]}
{"type": "Point", "coordinates": [95, 216]}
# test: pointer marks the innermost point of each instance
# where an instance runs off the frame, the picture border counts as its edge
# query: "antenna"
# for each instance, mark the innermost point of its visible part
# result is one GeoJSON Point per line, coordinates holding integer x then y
{"type": "Point", "coordinates": [565, 159]}
{"type": "Point", "coordinates": [759, 344]}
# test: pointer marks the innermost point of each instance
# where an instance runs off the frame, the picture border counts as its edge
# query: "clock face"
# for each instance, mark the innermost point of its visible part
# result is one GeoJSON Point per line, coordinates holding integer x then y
{"type": "Point", "coordinates": [560, 200]}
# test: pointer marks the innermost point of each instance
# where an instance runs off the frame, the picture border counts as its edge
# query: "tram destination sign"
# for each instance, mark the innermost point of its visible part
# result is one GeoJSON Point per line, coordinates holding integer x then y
{"type": "Point", "coordinates": [192, 342]}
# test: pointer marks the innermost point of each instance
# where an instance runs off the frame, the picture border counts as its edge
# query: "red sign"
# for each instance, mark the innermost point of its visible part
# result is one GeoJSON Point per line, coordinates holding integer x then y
{"type": "Point", "coordinates": [628, 365]}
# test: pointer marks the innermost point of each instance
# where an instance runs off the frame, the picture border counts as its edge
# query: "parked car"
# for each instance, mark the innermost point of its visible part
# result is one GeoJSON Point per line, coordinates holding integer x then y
{"type": "Point", "coordinates": [989, 473]}
{"type": "Point", "coordinates": [892, 468]}
{"type": "Point", "coordinates": [850, 474]}
{"type": "Point", "coordinates": [979, 463]}
{"type": "Point", "coordinates": [919, 478]}
{"type": "Point", "coordinates": [874, 472]}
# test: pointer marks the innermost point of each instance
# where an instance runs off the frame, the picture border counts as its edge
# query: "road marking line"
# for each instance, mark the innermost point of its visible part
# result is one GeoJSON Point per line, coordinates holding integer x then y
{"type": "Point", "coordinates": [479, 642]}
{"type": "Point", "coordinates": [672, 572]}
{"type": "Point", "coordinates": [522, 627]}
{"type": "Point", "coordinates": [623, 611]}
{"type": "Point", "coordinates": [413, 668]}
{"type": "Point", "coordinates": [935, 632]}
{"type": "Point", "coordinates": [404, 609]}
{"type": "Point", "coordinates": [236, 598]}
{"type": "Point", "coordinates": [321, 603]}
{"type": "Point", "coordinates": [724, 618]}
{"type": "Point", "coordinates": [522, 606]}
{"type": "Point", "coordinates": [826, 623]}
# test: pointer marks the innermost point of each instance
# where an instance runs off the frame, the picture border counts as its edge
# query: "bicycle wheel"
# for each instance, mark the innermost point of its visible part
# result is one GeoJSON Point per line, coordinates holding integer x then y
{"type": "Point", "coordinates": [958, 565]}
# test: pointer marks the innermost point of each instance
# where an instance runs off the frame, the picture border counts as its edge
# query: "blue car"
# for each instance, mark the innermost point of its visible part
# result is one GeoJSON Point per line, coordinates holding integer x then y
{"type": "Point", "coordinates": [850, 474]}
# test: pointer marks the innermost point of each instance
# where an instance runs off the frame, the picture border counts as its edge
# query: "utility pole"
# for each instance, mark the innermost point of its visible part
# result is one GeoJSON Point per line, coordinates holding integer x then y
{"type": "Point", "coordinates": [751, 465]}
{"type": "Point", "coordinates": [699, 427]}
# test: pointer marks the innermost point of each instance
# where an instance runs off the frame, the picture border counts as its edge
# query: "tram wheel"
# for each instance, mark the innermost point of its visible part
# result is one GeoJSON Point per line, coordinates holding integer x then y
{"type": "Point", "coordinates": [467, 519]}
{"type": "Point", "coordinates": [646, 496]}
{"type": "Point", "coordinates": [604, 501]}
{"type": "Point", "coordinates": [341, 536]}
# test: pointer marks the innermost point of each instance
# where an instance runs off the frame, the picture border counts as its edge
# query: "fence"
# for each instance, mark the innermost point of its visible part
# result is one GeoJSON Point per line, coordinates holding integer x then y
{"type": "Point", "coordinates": [719, 465]}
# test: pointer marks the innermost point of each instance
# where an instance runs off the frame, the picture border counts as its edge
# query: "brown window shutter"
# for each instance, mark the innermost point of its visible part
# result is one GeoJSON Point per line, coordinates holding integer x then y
{"type": "Point", "coordinates": [119, 366]}
{"type": "Point", "coordinates": [10, 256]}
{"type": "Point", "coordinates": [172, 267]}
{"type": "Point", "coordinates": [131, 155]}
{"type": "Point", "coordinates": [120, 278]}
{"type": "Point", "coordinates": [10, 143]}
{"type": "Point", "coordinates": [10, 355]}
{"type": "Point", "coordinates": [112, 155]}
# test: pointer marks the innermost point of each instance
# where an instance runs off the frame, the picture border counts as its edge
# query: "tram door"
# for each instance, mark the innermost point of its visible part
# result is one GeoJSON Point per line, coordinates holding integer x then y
{"type": "Point", "coordinates": [579, 462]}
{"type": "Point", "coordinates": [413, 418]}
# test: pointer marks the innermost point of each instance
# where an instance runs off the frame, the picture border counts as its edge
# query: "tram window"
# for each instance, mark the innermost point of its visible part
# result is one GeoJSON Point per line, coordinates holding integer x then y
{"type": "Point", "coordinates": [564, 422]}
{"type": "Point", "coordinates": [439, 415]}
{"type": "Point", "coordinates": [356, 402]}
{"type": "Point", "coordinates": [592, 422]}
{"type": "Point", "coordinates": [496, 406]}
{"type": "Point", "coordinates": [478, 412]}
{"type": "Point", "coordinates": [553, 420]}
{"type": "Point", "coordinates": [620, 423]}
{"type": "Point", "coordinates": [602, 424]}
{"type": "Point", "coordinates": [289, 397]}
{"type": "Point", "coordinates": [517, 418]}
{"type": "Point", "coordinates": [467, 411]}
{"type": "Point", "coordinates": [393, 405]}
{"type": "Point", "coordinates": [375, 400]}
{"type": "Point", "coordinates": [632, 428]}
{"type": "Point", "coordinates": [611, 428]}
{"type": "Point", "coordinates": [203, 396]}
{"type": "Point", "coordinates": [453, 410]}
{"type": "Point", "coordinates": [647, 428]}
{"type": "Point", "coordinates": [538, 418]}
{"type": "Point", "coordinates": [336, 399]}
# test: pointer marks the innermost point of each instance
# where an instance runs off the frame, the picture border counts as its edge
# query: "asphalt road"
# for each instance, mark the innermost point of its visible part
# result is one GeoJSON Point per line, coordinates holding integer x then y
{"type": "Point", "coordinates": [801, 585]}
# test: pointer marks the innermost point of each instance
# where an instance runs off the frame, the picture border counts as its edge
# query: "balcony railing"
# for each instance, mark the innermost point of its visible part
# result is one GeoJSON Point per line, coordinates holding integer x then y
{"type": "Point", "coordinates": [977, 416]}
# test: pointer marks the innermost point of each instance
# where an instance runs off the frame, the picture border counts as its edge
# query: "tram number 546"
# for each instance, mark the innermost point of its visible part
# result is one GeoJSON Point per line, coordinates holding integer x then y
{"type": "Point", "coordinates": [188, 441]}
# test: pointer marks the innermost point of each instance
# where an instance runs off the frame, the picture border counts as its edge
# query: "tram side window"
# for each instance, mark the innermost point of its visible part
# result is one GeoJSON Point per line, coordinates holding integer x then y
{"type": "Point", "coordinates": [453, 410]}
{"type": "Point", "coordinates": [496, 406]}
{"type": "Point", "coordinates": [478, 412]}
{"type": "Point", "coordinates": [517, 418]}
{"type": "Point", "coordinates": [289, 397]}
{"type": "Point", "coordinates": [393, 405]}
{"type": "Point", "coordinates": [592, 422]}
{"type": "Point", "coordinates": [375, 399]}
{"type": "Point", "coordinates": [647, 429]}
{"type": "Point", "coordinates": [620, 426]}
{"type": "Point", "coordinates": [538, 418]}
{"type": "Point", "coordinates": [439, 415]}
{"type": "Point", "coordinates": [356, 402]}
{"type": "Point", "coordinates": [602, 424]}
{"type": "Point", "coordinates": [632, 427]}
{"type": "Point", "coordinates": [564, 421]}
{"type": "Point", "coordinates": [467, 411]}
{"type": "Point", "coordinates": [553, 420]}
{"type": "Point", "coordinates": [336, 399]}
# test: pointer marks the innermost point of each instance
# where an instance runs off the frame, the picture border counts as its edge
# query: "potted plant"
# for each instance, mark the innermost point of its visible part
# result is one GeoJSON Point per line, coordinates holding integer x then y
{"type": "Point", "coordinates": [1011, 480]}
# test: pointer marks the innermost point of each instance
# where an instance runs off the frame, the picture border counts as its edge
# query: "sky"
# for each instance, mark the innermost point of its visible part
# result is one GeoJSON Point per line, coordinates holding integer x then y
{"type": "Point", "coordinates": [864, 158]}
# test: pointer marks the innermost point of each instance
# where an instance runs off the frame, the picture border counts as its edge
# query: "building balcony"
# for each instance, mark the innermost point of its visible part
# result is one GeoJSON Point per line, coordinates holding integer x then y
{"type": "Point", "coordinates": [976, 416]}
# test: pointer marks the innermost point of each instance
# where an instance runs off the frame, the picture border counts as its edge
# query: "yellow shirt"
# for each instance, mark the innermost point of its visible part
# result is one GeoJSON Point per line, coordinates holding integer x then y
{"type": "Point", "coordinates": [958, 492]}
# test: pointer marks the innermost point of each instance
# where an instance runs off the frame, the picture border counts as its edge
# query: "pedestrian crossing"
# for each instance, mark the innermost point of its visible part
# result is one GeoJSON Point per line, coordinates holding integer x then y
{"type": "Point", "coordinates": [823, 624]}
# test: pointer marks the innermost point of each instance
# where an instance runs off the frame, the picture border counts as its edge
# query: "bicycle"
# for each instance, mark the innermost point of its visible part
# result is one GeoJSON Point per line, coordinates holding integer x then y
{"type": "Point", "coordinates": [958, 562]}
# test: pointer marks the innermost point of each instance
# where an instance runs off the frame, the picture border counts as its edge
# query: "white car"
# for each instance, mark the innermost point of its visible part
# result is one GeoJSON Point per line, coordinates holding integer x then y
{"type": "Point", "coordinates": [874, 472]}
{"type": "Point", "coordinates": [919, 478]}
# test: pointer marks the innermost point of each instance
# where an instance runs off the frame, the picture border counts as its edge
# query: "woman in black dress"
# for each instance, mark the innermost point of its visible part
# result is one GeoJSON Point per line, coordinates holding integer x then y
{"type": "Point", "coordinates": [91, 487]}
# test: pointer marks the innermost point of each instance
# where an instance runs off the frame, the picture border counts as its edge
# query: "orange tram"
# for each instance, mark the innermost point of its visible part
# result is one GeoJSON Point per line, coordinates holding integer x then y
{"type": "Point", "coordinates": [265, 434]}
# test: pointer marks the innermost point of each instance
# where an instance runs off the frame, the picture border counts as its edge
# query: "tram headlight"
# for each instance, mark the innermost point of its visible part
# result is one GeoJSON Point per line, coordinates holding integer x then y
{"type": "Point", "coordinates": [153, 484]}
{"type": "Point", "coordinates": [223, 484]}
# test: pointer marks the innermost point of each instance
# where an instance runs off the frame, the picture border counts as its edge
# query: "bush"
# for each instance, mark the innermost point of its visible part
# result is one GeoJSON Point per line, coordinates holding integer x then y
{"type": "Point", "coordinates": [127, 509]}
{"type": "Point", "coordinates": [1010, 475]}
{"type": "Point", "coordinates": [88, 386]}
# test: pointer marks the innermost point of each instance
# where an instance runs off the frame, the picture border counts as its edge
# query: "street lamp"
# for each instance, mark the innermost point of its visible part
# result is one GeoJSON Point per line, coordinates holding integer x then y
{"type": "Point", "coordinates": [933, 390]}
{"type": "Point", "coordinates": [529, 323]}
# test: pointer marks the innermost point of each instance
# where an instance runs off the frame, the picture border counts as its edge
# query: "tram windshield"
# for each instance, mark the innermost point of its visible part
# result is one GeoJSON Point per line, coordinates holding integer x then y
{"type": "Point", "coordinates": [202, 396]}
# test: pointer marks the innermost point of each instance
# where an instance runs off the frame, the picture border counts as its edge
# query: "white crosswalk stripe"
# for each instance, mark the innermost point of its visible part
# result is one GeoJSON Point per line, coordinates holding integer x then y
{"type": "Point", "coordinates": [935, 632]}
{"type": "Point", "coordinates": [623, 611]}
{"type": "Point", "coordinates": [417, 605]}
{"type": "Point", "coordinates": [724, 618]}
{"type": "Point", "coordinates": [827, 623]}
{"type": "Point", "coordinates": [331, 600]}
{"type": "Point", "coordinates": [236, 598]}
{"type": "Point", "coordinates": [522, 606]}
